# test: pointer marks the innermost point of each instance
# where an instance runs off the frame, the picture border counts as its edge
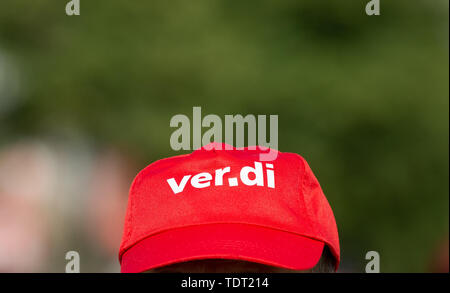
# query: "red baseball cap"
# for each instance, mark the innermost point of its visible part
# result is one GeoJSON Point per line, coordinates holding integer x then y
{"type": "Point", "coordinates": [221, 202]}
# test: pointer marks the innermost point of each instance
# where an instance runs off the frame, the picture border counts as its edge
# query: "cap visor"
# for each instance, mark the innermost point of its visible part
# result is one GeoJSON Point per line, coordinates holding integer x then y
{"type": "Point", "coordinates": [223, 241]}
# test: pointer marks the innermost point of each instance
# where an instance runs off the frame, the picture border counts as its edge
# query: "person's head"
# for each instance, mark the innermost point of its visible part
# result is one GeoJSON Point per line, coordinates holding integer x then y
{"type": "Point", "coordinates": [221, 209]}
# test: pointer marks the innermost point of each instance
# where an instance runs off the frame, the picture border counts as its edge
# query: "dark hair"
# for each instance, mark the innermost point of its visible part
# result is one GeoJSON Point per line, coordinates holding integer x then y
{"type": "Point", "coordinates": [326, 264]}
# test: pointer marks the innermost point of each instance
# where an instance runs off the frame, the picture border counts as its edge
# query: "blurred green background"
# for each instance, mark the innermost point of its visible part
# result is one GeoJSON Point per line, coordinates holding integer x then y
{"type": "Point", "coordinates": [363, 99]}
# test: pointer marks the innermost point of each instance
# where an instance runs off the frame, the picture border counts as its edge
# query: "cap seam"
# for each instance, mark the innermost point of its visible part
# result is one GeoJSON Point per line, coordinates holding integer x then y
{"type": "Point", "coordinates": [302, 189]}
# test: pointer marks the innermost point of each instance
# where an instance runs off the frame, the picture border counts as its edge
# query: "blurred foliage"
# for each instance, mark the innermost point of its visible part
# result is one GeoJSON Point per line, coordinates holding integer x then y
{"type": "Point", "coordinates": [363, 99]}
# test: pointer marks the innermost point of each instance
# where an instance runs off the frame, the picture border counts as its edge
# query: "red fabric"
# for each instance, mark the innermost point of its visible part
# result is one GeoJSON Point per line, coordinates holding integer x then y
{"type": "Point", "coordinates": [285, 223]}
{"type": "Point", "coordinates": [223, 241]}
